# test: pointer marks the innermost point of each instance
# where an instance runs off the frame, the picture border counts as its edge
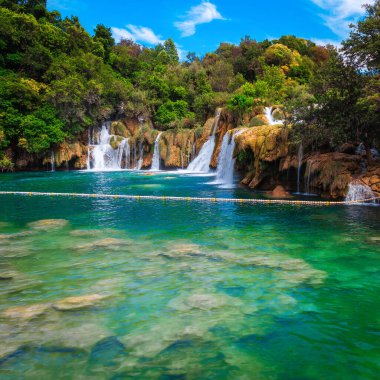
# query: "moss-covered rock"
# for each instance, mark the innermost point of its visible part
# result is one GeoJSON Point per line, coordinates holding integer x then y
{"type": "Point", "coordinates": [176, 147]}
{"type": "Point", "coordinates": [265, 145]}
{"type": "Point", "coordinates": [71, 156]}
{"type": "Point", "coordinates": [116, 140]}
{"type": "Point", "coordinates": [120, 129]}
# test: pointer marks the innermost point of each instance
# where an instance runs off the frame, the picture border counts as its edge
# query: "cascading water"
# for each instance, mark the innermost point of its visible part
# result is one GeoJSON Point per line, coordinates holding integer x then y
{"type": "Point", "coordinates": [102, 156]}
{"type": "Point", "coordinates": [300, 159]}
{"type": "Point", "coordinates": [140, 149]}
{"type": "Point", "coordinates": [201, 164]}
{"type": "Point", "coordinates": [89, 143]}
{"type": "Point", "coordinates": [156, 153]}
{"type": "Point", "coordinates": [188, 152]}
{"type": "Point", "coordinates": [140, 161]}
{"type": "Point", "coordinates": [123, 151]}
{"type": "Point", "coordinates": [52, 161]}
{"type": "Point", "coordinates": [308, 176]}
{"type": "Point", "coordinates": [269, 116]}
{"type": "Point", "coordinates": [359, 192]}
{"type": "Point", "coordinates": [226, 161]}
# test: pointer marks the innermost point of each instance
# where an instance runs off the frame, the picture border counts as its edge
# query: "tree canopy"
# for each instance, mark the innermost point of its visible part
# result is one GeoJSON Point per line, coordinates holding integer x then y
{"type": "Point", "coordinates": [56, 80]}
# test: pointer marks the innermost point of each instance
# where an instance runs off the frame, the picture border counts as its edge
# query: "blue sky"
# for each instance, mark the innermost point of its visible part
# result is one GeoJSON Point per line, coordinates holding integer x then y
{"type": "Point", "coordinates": [198, 25]}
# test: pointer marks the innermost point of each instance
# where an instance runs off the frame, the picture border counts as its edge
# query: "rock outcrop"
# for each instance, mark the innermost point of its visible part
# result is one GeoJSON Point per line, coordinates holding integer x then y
{"type": "Point", "coordinates": [261, 148]}
{"type": "Point", "coordinates": [329, 174]}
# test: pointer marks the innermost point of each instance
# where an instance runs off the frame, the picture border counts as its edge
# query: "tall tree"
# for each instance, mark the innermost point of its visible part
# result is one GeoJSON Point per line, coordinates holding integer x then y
{"type": "Point", "coordinates": [363, 45]}
{"type": "Point", "coordinates": [171, 51]}
{"type": "Point", "coordinates": [103, 35]}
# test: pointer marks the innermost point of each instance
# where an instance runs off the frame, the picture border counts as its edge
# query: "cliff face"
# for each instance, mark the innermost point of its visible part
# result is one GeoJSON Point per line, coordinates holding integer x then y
{"type": "Point", "coordinates": [330, 173]}
{"type": "Point", "coordinates": [261, 148]}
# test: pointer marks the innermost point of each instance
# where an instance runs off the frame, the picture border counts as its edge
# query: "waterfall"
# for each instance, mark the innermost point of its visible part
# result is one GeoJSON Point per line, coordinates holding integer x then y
{"type": "Point", "coordinates": [308, 175]}
{"type": "Point", "coordinates": [134, 155]}
{"type": "Point", "coordinates": [101, 156]}
{"type": "Point", "coordinates": [357, 192]}
{"type": "Point", "coordinates": [269, 116]}
{"type": "Point", "coordinates": [188, 152]}
{"type": "Point", "coordinates": [156, 154]}
{"type": "Point", "coordinates": [52, 161]}
{"type": "Point", "coordinates": [300, 158]}
{"type": "Point", "coordinates": [140, 161]}
{"type": "Point", "coordinates": [88, 149]}
{"type": "Point", "coordinates": [226, 161]}
{"type": "Point", "coordinates": [201, 164]}
{"type": "Point", "coordinates": [123, 150]}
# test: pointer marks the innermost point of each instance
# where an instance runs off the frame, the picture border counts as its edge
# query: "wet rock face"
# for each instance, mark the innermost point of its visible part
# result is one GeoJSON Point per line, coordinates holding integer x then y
{"type": "Point", "coordinates": [372, 178]}
{"type": "Point", "coordinates": [264, 146]}
{"type": "Point", "coordinates": [330, 174]}
{"type": "Point", "coordinates": [177, 147]}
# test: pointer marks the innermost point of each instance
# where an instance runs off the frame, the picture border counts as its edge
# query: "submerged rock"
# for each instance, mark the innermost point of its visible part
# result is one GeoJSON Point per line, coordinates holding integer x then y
{"type": "Point", "coordinates": [85, 233]}
{"type": "Point", "coordinates": [8, 275]}
{"type": "Point", "coordinates": [110, 243]}
{"type": "Point", "coordinates": [201, 301]}
{"type": "Point", "coordinates": [79, 302]}
{"type": "Point", "coordinates": [106, 351]}
{"type": "Point", "coordinates": [9, 251]}
{"type": "Point", "coordinates": [48, 224]}
{"type": "Point", "coordinates": [183, 249]}
{"type": "Point", "coordinates": [26, 312]}
{"type": "Point", "coordinates": [205, 301]}
{"type": "Point", "coordinates": [16, 235]}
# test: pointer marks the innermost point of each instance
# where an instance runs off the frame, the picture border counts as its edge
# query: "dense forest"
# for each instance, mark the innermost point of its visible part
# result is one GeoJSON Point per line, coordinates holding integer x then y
{"type": "Point", "coordinates": [56, 80]}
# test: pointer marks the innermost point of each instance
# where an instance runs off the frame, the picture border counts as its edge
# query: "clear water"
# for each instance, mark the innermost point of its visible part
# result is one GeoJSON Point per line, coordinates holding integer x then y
{"type": "Point", "coordinates": [192, 291]}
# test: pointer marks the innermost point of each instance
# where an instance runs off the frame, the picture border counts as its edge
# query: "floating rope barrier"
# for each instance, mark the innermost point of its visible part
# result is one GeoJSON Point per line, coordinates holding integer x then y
{"type": "Point", "coordinates": [190, 199]}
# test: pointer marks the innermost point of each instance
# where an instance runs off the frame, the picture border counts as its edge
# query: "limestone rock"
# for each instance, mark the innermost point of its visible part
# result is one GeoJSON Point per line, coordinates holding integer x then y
{"type": "Point", "coordinates": [26, 312]}
{"type": "Point", "coordinates": [265, 145]}
{"type": "Point", "coordinates": [9, 275]}
{"type": "Point", "coordinates": [183, 249]}
{"type": "Point", "coordinates": [79, 302]}
{"type": "Point", "coordinates": [48, 224]}
{"type": "Point", "coordinates": [280, 192]}
{"type": "Point", "coordinates": [120, 129]}
{"type": "Point", "coordinates": [115, 141]}
{"type": "Point", "coordinates": [106, 243]}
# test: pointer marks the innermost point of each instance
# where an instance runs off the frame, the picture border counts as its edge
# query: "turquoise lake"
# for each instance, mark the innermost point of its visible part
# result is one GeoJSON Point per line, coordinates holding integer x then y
{"type": "Point", "coordinates": [117, 289]}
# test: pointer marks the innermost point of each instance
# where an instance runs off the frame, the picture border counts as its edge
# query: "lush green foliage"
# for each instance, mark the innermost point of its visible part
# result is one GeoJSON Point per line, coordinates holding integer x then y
{"type": "Point", "coordinates": [56, 80]}
{"type": "Point", "coordinates": [345, 92]}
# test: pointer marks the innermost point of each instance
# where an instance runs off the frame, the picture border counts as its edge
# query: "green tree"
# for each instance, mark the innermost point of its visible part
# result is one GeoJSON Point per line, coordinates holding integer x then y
{"type": "Point", "coordinates": [363, 45]}
{"type": "Point", "coordinates": [103, 35]}
{"type": "Point", "coordinates": [171, 51]}
{"type": "Point", "coordinates": [172, 111]}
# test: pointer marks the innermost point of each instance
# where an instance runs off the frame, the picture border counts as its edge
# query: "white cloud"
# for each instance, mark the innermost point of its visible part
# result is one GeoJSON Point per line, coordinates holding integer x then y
{"type": "Point", "coordinates": [339, 14]}
{"type": "Point", "coordinates": [137, 33]}
{"type": "Point", "coordinates": [324, 42]}
{"type": "Point", "coordinates": [199, 14]}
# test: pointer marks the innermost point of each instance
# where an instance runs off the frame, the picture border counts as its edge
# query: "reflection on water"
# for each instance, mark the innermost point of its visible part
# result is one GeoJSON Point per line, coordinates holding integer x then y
{"type": "Point", "coordinates": [121, 289]}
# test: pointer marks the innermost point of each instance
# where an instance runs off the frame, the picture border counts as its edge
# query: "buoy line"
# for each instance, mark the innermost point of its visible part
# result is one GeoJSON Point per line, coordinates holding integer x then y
{"type": "Point", "coordinates": [189, 199]}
